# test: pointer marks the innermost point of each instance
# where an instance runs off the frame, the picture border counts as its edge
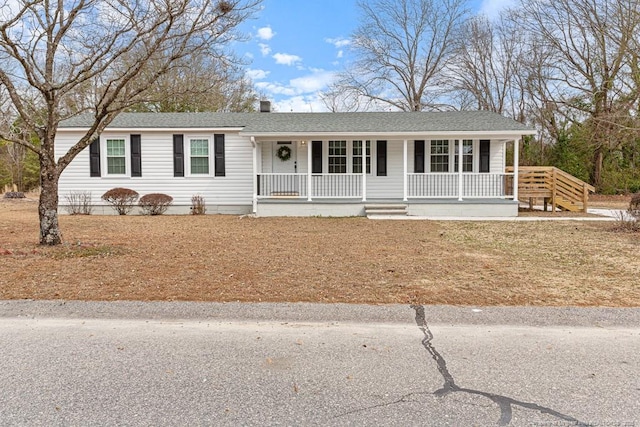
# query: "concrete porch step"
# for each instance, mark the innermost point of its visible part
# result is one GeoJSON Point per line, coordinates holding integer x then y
{"type": "Point", "coordinates": [386, 209]}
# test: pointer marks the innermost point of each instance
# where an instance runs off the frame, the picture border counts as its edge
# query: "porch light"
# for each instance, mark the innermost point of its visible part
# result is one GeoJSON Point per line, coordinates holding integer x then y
{"type": "Point", "coordinates": [303, 143]}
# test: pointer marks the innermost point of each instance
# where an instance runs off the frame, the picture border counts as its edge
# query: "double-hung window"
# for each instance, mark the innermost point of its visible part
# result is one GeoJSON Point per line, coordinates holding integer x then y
{"type": "Point", "coordinates": [467, 155]}
{"type": "Point", "coordinates": [337, 156]}
{"type": "Point", "coordinates": [116, 157]}
{"type": "Point", "coordinates": [199, 156]}
{"type": "Point", "coordinates": [357, 156]}
{"type": "Point", "coordinates": [439, 155]}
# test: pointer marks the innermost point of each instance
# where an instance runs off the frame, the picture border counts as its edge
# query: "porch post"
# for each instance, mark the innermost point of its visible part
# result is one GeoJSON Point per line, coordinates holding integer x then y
{"type": "Point", "coordinates": [255, 174]}
{"type": "Point", "coordinates": [516, 160]}
{"type": "Point", "coordinates": [309, 170]}
{"type": "Point", "coordinates": [404, 171]}
{"type": "Point", "coordinates": [460, 168]}
{"type": "Point", "coordinates": [364, 170]}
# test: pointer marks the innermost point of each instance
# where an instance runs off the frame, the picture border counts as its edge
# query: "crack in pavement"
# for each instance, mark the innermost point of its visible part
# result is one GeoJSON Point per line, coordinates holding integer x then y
{"type": "Point", "coordinates": [504, 403]}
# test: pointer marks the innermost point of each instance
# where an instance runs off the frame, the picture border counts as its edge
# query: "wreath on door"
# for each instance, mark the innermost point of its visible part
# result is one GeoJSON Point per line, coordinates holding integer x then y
{"type": "Point", "coordinates": [284, 153]}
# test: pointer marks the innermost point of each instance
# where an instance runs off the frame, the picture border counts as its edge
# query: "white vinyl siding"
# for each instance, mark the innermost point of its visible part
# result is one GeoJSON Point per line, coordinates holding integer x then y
{"type": "Point", "coordinates": [497, 157]}
{"type": "Point", "coordinates": [220, 193]}
{"type": "Point", "coordinates": [391, 185]}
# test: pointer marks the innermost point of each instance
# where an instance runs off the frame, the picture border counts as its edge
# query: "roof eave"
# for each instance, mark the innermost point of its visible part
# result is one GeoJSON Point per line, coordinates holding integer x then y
{"type": "Point", "coordinates": [409, 135]}
{"type": "Point", "coordinates": [157, 129]}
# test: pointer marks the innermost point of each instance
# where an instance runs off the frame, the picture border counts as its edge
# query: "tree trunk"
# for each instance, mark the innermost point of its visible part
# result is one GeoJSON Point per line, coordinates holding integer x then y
{"type": "Point", "coordinates": [48, 206]}
{"type": "Point", "coordinates": [598, 159]}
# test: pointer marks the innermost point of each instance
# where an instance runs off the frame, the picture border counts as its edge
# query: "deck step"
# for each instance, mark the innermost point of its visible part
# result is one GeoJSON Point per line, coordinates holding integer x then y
{"type": "Point", "coordinates": [386, 209]}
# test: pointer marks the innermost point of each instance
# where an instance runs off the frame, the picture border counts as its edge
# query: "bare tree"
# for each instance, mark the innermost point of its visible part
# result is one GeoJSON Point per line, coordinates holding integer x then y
{"type": "Point", "coordinates": [13, 156]}
{"type": "Point", "coordinates": [487, 67]}
{"type": "Point", "coordinates": [402, 48]}
{"type": "Point", "coordinates": [61, 58]}
{"type": "Point", "coordinates": [336, 99]}
{"type": "Point", "coordinates": [585, 57]}
{"type": "Point", "coordinates": [204, 83]}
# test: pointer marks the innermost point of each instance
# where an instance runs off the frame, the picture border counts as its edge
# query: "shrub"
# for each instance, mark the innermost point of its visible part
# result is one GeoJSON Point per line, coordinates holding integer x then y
{"type": "Point", "coordinates": [121, 199]}
{"type": "Point", "coordinates": [14, 195]}
{"type": "Point", "coordinates": [629, 220]}
{"type": "Point", "coordinates": [198, 205]}
{"type": "Point", "coordinates": [155, 203]}
{"type": "Point", "coordinates": [79, 203]}
{"type": "Point", "coordinates": [625, 222]}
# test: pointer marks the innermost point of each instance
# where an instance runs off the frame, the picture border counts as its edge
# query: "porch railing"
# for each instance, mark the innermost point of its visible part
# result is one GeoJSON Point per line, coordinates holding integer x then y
{"type": "Point", "coordinates": [282, 185]}
{"type": "Point", "coordinates": [432, 185]}
{"type": "Point", "coordinates": [419, 185]}
{"type": "Point", "coordinates": [336, 185]}
{"type": "Point", "coordinates": [446, 185]}
{"type": "Point", "coordinates": [487, 185]}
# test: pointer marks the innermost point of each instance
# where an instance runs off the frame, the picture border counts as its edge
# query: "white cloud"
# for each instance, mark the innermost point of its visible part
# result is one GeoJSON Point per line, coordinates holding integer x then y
{"type": "Point", "coordinates": [275, 89]}
{"type": "Point", "coordinates": [340, 54]}
{"type": "Point", "coordinates": [286, 59]}
{"type": "Point", "coordinates": [301, 104]}
{"type": "Point", "coordinates": [492, 8]}
{"type": "Point", "coordinates": [338, 42]}
{"type": "Point", "coordinates": [264, 49]}
{"type": "Point", "coordinates": [314, 82]}
{"type": "Point", "coordinates": [309, 84]}
{"type": "Point", "coordinates": [257, 74]}
{"type": "Point", "coordinates": [265, 33]}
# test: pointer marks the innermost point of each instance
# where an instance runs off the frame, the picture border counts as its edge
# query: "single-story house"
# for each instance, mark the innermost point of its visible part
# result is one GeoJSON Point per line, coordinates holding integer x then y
{"type": "Point", "coordinates": [303, 164]}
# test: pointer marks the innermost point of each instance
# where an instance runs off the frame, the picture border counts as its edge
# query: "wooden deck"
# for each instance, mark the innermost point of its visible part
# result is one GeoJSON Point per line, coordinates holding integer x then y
{"type": "Point", "coordinates": [553, 186]}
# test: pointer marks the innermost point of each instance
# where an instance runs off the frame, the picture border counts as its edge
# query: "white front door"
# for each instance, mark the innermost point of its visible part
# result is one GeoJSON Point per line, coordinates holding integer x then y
{"type": "Point", "coordinates": [282, 151]}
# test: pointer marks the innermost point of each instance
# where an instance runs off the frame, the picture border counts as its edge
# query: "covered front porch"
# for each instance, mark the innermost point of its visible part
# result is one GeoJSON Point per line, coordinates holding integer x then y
{"type": "Point", "coordinates": [326, 177]}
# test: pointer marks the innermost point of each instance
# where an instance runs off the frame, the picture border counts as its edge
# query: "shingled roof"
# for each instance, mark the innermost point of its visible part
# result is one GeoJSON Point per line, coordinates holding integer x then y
{"type": "Point", "coordinates": [301, 123]}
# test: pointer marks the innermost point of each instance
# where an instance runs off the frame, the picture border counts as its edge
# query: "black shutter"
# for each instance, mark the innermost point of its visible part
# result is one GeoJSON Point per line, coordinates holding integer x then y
{"type": "Point", "coordinates": [178, 155]}
{"type": "Point", "coordinates": [418, 157]}
{"type": "Point", "coordinates": [94, 158]}
{"type": "Point", "coordinates": [484, 155]}
{"type": "Point", "coordinates": [136, 155]}
{"type": "Point", "coordinates": [218, 142]}
{"type": "Point", "coordinates": [381, 155]}
{"type": "Point", "coordinates": [316, 157]}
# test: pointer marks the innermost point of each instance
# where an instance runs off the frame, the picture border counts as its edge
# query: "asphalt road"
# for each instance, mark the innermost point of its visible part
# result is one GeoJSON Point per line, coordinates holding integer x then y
{"type": "Point", "coordinates": [168, 364]}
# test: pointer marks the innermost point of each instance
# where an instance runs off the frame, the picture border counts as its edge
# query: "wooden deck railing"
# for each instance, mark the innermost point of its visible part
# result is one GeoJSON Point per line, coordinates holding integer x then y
{"type": "Point", "coordinates": [553, 185]}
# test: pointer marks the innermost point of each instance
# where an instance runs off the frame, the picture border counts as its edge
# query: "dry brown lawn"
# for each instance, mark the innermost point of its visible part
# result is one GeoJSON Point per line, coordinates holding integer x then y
{"type": "Point", "coordinates": [352, 260]}
{"type": "Point", "coordinates": [620, 201]}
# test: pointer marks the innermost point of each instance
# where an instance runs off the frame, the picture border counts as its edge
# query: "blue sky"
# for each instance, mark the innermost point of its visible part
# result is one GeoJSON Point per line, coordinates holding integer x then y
{"type": "Point", "coordinates": [296, 47]}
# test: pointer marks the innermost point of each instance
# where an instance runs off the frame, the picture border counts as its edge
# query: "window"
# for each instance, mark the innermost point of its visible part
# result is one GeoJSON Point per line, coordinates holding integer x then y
{"type": "Point", "coordinates": [357, 156]}
{"type": "Point", "coordinates": [199, 156]}
{"type": "Point", "coordinates": [337, 156]}
{"type": "Point", "coordinates": [116, 160]}
{"type": "Point", "coordinates": [439, 155]}
{"type": "Point", "coordinates": [467, 155]}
